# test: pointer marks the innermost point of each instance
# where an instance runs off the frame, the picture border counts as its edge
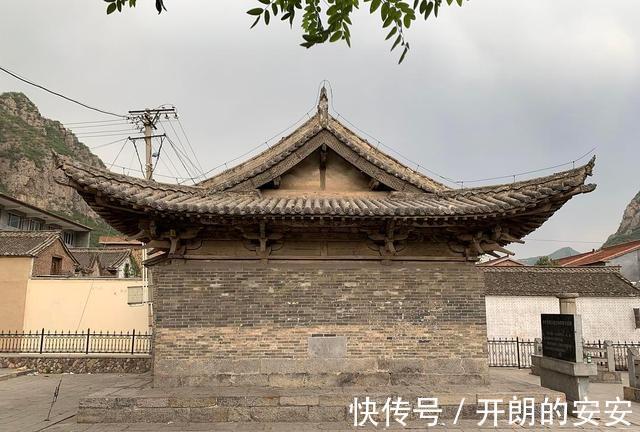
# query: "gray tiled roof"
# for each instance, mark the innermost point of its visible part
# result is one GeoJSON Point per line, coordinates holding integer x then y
{"type": "Point", "coordinates": [107, 258]}
{"type": "Point", "coordinates": [266, 160]}
{"type": "Point", "coordinates": [520, 207]}
{"type": "Point", "coordinates": [26, 243]}
{"type": "Point", "coordinates": [476, 202]}
{"type": "Point", "coordinates": [549, 281]}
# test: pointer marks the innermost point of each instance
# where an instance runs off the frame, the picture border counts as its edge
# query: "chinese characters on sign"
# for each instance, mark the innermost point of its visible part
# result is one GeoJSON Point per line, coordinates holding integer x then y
{"type": "Point", "coordinates": [559, 336]}
{"type": "Point", "coordinates": [522, 412]}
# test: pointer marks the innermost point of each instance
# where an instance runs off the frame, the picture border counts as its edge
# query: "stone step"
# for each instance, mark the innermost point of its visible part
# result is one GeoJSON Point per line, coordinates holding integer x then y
{"type": "Point", "coordinates": [6, 374]}
{"type": "Point", "coordinates": [256, 404]}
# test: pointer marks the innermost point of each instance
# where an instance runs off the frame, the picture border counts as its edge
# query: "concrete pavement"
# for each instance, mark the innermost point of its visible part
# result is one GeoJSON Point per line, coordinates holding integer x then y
{"type": "Point", "coordinates": [25, 401]}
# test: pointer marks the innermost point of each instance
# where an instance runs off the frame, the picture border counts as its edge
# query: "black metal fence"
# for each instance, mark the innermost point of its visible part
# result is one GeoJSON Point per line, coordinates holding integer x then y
{"type": "Point", "coordinates": [510, 352]}
{"type": "Point", "coordinates": [516, 352]}
{"type": "Point", "coordinates": [88, 342]}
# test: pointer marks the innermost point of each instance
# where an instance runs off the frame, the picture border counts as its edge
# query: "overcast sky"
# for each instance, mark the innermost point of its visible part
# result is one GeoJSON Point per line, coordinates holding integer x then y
{"type": "Point", "coordinates": [489, 89]}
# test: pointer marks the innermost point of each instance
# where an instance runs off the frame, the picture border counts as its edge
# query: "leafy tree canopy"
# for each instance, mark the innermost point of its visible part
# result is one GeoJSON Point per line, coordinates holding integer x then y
{"type": "Point", "coordinates": [545, 261]}
{"type": "Point", "coordinates": [325, 21]}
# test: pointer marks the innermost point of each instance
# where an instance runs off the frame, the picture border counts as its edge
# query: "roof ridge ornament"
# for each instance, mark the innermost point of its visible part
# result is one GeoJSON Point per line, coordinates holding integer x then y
{"type": "Point", "coordinates": [323, 107]}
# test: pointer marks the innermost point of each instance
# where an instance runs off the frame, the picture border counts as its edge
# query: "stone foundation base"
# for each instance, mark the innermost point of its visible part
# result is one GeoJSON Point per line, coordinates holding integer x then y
{"type": "Point", "coordinates": [268, 405]}
{"type": "Point", "coordinates": [320, 373]}
{"type": "Point", "coordinates": [631, 393]}
{"type": "Point", "coordinates": [607, 377]}
{"type": "Point", "coordinates": [77, 364]}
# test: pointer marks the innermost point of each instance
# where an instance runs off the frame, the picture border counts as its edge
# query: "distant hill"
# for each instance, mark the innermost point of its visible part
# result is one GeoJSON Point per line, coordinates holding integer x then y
{"type": "Point", "coordinates": [27, 167]}
{"type": "Point", "coordinates": [629, 228]}
{"type": "Point", "coordinates": [560, 253]}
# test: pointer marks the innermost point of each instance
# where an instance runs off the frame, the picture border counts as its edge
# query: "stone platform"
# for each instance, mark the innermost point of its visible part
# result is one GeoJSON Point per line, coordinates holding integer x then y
{"type": "Point", "coordinates": [145, 404]}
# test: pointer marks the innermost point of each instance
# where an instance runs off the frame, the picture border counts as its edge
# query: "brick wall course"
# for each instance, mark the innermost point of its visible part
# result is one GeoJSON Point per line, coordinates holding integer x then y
{"type": "Point", "coordinates": [209, 314]}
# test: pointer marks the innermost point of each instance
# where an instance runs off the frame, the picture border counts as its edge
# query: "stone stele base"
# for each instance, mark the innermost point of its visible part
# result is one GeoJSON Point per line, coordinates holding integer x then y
{"type": "Point", "coordinates": [567, 377]}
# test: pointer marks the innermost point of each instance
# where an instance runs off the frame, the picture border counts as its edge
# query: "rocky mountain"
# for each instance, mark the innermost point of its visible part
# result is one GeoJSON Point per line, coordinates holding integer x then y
{"type": "Point", "coordinates": [630, 226]}
{"type": "Point", "coordinates": [560, 253]}
{"type": "Point", "coordinates": [27, 166]}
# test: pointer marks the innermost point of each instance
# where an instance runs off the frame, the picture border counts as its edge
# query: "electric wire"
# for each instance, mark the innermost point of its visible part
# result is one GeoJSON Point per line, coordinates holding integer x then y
{"type": "Point", "coordinates": [197, 170]}
{"type": "Point", "coordinates": [196, 165]}
{"type": "Point", "coordinates": [118, 155]}
{"type": "Point", "coordinates": [188, 142]}
{"type": "Point", "coordinates": [15, 75]}
{"type": "Point", "coordinates": [171, 143]}
{"type": "Point", "coordinates": [106, 144]}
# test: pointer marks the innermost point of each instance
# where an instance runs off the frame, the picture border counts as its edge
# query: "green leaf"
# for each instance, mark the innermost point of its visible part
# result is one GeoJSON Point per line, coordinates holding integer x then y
{"type": "Point", "coordinates": [255, 11]}
{"type": "Point", "coordinates": [407, 20]}
{"type": "Point", "coordinates": [395, 44]}
{"type": "Point", "coordinates": [111, 8]}
{"type": "Point", "coordinates": [391, 33]}
{"type": "Point", "coordinates": [404, 53]}
{"type": "Point", "coordinates": [428, 11]}
{"type": "Point", "coordinates": [336, 36]}
{"type": "Point", "coordinates": [375, 4]}
{"type": "Point", "coordinates": [266, 16]}
{"type": "Point", "coordinates": [255, 22]}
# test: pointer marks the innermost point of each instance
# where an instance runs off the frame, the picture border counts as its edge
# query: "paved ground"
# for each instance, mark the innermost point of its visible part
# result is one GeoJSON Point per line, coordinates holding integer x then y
{"type": "Point", "coordinates": [25, 402]}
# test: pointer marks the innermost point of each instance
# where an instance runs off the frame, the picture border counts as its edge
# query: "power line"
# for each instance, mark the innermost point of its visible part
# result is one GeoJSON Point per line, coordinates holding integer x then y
{"type": "Point", "coordinates": [118, 155]}
{"type": "Point", "coordinates": [104, 135]}
{"type": "Point", "coordinates": [106, 144]}
{"type": "Point", "coordinates": [180, 159]}
{"type": "Point", "coordinates": [90, 133]}
{"type": "Point", "coordinates": [117, 123]}
{"type": "Point", "coordinates": [197, 170]}
{"type": "Point", "coordinates": [188, 142]}
{"type": "Point", "coordinates": [60, 95]}
{"type": "Point", "coordinates": [450, 180]}
{"type": "Point", "coordinates": [88, 122]}
{"type": "Point", "coordinates": [197, 166]}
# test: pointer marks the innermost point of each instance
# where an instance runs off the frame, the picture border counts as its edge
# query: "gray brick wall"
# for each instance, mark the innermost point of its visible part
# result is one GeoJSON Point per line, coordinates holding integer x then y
{"type": "Point", "coordinates": [240, 311]}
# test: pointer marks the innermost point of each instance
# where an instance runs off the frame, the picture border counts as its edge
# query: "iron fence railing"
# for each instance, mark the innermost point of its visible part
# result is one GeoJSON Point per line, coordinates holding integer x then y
{"type": "Point", "coordinates": [510, 352]}
{"type": "Point", "coordinates": [502, 352]}
{"type": "Point", "coordinates": [619, 351]}
{"type": "Point", "coordinates": [516, 352]}
{"type": "Point", "coordinates": [48, 342]}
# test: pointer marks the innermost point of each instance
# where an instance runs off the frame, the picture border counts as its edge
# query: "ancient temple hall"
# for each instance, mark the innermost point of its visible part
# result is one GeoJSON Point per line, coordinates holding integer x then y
{"type": "Point", "coordinates": [320, 264]}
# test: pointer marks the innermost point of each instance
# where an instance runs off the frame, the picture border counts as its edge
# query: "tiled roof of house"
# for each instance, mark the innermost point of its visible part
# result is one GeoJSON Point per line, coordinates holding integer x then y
{"type": "Point", "coordinates": [165, 199]}
{"type": "Point", "coordinates": [549, 281]}
{"type": "Point", "coordinates": [600, 255]}
{"type": "Point", "coordinates": [256, 170]}
{"type": "Point", "coordinates": [517, 208]}
{"type": "Point", "coordinates": [30, 243]}
{"type": "Point", "coordinates": [109, 259]}
{"type": "Point", "coordinates": [26, 243]}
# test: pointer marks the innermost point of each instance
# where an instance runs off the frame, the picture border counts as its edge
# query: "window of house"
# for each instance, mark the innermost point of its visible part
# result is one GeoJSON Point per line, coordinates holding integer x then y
{"type": "Point", "coordinates": [56, 265]}
{"type": "Point", "coordinates": [14, 221]}
{"type": "Point", "coordinates": [69, 237]}
{"type": "Point", "coordinates": [35, 225]}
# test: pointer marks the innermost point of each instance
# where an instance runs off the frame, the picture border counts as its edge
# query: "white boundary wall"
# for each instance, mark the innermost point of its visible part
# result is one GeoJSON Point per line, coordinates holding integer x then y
{"type": "Point", "coordinates": [603, 318]}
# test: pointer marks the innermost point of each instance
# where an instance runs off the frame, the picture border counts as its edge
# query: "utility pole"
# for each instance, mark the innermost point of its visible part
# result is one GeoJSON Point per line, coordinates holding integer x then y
{"type": "Point", "coordinates": [149, 118]}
